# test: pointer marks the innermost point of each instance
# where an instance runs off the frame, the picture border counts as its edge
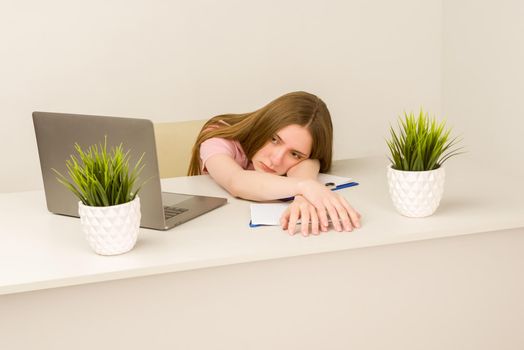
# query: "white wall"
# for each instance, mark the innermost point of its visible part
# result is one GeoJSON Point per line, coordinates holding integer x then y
{"type": "Point", "coordinates": [180, 60]}
{"type": "Point", "coordinates": [483, 79]}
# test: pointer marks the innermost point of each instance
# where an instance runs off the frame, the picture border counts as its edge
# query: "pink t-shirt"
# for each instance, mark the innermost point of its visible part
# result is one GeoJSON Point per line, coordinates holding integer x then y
{"type": "Point", "coordinates": [218, 145]}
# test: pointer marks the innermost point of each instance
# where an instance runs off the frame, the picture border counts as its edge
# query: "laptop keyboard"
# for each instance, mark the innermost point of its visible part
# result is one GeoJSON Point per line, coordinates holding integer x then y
{"type": "Point", "coordinates": [170, 212]}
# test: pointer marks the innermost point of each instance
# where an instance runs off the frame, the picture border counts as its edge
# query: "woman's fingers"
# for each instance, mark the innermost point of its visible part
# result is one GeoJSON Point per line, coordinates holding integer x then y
{"type": "Point", "coordinates": [293, 218]}
{"type": "Point", "coordinates": [304, 219]}
{"type": "Point", "coordinates": [284, 219]}
{"type": "Point", "coordinates": [337, 213]}
{"type": "Point", "coordinates": [333, 214]}
{"type": "Point", "coordinates": [317, 215]}
{"type": "Point", "coordinates": [353, 214]}
{"type": "Point", "coordinates": [314, 220]}
{"type": "Point", "coordinates": [322, 217]}
{"type": "Point", "coordinates": [344, 213]}
{"type": "Point", "coordinates": [342, 216]}
{"type": "Point", "coordinates": [308, 216]}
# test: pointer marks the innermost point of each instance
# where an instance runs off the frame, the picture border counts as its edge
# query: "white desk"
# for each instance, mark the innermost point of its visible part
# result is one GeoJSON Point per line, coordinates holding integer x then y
{"type": "Point", "coordinates": [216, 283]}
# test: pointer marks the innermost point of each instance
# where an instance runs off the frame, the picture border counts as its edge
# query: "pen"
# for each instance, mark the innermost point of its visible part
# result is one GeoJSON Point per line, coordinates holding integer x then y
{"type": "Point", "coordinates": [339, 187]}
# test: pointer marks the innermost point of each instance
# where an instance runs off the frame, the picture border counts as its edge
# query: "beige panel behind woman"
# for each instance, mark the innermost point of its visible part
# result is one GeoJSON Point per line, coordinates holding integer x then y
{"type": "Point", "coordinates": [174, 141]}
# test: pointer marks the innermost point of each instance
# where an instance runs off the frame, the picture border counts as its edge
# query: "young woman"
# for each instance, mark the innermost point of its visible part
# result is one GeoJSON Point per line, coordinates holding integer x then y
{"type": "Point", "coordinates": [286, 143]}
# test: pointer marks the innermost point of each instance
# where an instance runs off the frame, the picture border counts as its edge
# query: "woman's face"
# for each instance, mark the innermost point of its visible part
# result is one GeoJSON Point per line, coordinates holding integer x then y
{"type": "Point", "coordinates": [288, 147]}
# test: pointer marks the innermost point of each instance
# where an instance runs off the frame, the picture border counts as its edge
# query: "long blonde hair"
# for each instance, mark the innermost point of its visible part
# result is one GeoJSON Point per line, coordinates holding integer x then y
{"type": "Point", "coordinates": [253, 130]}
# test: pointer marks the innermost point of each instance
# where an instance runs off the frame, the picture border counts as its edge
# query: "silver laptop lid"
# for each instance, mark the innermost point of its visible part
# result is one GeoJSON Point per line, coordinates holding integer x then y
{"type": "Point", "coordinates": [56, 134]}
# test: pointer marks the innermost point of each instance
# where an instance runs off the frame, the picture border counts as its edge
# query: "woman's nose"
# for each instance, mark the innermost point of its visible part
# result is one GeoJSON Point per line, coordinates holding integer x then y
{"type": "Point", "coordinates": [277, 156]}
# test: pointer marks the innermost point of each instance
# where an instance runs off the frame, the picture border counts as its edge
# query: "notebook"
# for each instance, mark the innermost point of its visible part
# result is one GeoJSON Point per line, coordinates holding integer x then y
{"type": "Point", "coordinates": [56, 134]}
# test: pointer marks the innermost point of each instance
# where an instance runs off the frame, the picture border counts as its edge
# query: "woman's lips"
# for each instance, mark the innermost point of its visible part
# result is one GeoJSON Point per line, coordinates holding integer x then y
{"type": "Point", "coordinates": [266, 168]}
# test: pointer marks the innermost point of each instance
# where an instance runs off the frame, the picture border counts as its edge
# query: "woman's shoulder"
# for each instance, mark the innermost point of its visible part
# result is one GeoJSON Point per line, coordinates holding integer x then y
{"type": "Point", "coordinates": [219, 145]}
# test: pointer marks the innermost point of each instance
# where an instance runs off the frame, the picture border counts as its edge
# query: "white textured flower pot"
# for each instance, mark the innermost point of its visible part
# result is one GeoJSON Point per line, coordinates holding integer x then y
{"type": "Point", "coordinates": [416, 193]}
{"type": "Point", "coordinates": [111, 230]}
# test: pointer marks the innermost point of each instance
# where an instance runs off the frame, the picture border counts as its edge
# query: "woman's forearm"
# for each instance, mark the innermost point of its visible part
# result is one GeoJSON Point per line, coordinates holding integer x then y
{"type": "Point", "coordinates": [307, 169]}
{"type": "Point", "coordinates": [257, 186]}
{"type": "Point", "coordinates": [272, 188]}
{"type": "Point", "coordinates": [249, 184]}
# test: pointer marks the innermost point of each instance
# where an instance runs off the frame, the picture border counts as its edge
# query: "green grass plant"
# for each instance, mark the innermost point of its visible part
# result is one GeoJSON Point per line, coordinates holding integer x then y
{"type": "Point", "coordinates": [421, 143]}
{"type": "Point", "coordinates": [102, 178]}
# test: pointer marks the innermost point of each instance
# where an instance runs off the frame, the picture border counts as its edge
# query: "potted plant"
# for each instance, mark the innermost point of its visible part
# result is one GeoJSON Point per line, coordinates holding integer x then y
{"type": "Point", "coordinates": [417, 152]}
{"type": "Point", "coordinates": [107, 189]}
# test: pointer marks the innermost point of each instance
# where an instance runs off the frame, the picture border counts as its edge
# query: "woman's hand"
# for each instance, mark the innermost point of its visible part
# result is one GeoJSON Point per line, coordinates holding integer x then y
{"type": "Point", "coordinates": [329, 206]}
{"type": "Point", "coordinates": [301, 209]}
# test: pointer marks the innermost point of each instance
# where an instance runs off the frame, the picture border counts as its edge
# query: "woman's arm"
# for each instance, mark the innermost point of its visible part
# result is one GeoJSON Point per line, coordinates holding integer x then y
{"type": "Point", "coordinates": [248, 184]}
{"type": "Point", "coordinates": [306, 169]}
{"type": "Point", "coordinates": [260, 186]}
{"type": "Point", "coordinates": [300, 208]}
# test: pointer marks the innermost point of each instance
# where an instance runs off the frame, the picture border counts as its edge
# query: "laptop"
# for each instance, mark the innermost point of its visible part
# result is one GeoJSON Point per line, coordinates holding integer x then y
{"type": "Point", "coordinates": [56, 134]}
